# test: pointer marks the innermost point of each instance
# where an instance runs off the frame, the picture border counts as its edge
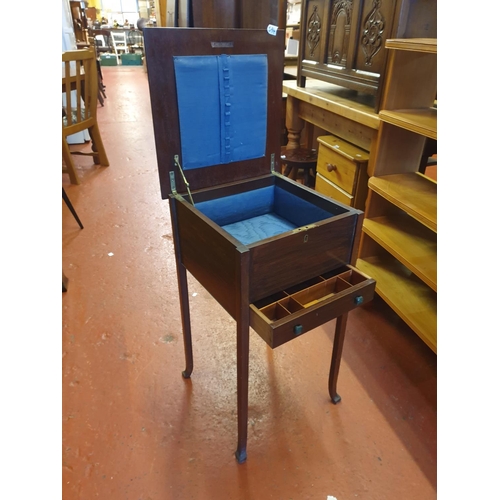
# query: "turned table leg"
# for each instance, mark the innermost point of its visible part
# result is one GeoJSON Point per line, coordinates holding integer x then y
{"type": "Point", "coordinates": [338, 344]}
{"type": "Point", "coordinates": [294, 123]}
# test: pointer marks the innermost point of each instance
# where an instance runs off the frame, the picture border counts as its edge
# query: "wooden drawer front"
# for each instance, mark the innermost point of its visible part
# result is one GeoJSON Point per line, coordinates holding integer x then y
{"type": "Point", "coordinates": [337, 169]}
{"type": "Point", "coordinates": [290, 313]}
{"type": "Point", "coordinates": [326, 187]}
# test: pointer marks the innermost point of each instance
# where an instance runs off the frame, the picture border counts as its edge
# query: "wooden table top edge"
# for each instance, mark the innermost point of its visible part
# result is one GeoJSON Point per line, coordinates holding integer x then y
{"type": "Point", "coordinates": [358, 112]}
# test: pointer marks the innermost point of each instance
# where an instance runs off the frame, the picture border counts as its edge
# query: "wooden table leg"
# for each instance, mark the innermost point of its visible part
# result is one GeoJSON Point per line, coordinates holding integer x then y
{"type": "Point", "coordinates": [242, 356]}
{"type": "Point", "coordinates": [183, 294]}
{"type": "Point", "coordinates": [294, 124]}
{"type": "Point", "coordinates": [338, 344]}
{"type": "Point", "coordinates": [186, 319]}
{"type": "Point", "coordinates": [64, 282]}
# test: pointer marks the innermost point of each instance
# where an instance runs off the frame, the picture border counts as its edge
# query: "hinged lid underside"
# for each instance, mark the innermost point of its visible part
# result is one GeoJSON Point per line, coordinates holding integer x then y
{"type": "Point", "coordinates": [216, 97]}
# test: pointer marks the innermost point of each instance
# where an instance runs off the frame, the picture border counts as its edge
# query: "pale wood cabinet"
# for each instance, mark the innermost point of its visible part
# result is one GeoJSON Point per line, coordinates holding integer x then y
{"type": "Point", "coordinates": [399, 241]}
{"type": "Point", "coordinates": [341, 171]}
{"type": "Point", "coordinates": [343, 41]}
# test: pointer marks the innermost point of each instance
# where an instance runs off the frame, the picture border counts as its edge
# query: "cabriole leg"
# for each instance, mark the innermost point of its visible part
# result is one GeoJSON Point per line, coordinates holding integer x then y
{"type": "Point", "coordinates": [338, 344]}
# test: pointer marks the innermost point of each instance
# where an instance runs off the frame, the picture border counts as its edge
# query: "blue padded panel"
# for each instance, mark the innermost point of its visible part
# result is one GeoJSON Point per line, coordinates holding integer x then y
{"type": "Point", "coordinates": [238, 207]}
{"type": "Point", "coordinates": [298, 211]}
{"type": "Point", "coordinates": [222, 103]}
{"type": "Point", "coordinates": [197, 80]}
{"type": "Point", "coordinates": [258, 228]}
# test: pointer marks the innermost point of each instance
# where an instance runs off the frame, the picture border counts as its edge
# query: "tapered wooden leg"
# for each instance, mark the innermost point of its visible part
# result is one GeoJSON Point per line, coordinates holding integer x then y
{"type": "Point", "coordinates": [242, 353]}
{"type": "Point", "coordinates": [70, 165]}
{"type": "Point", "coordinates": [183, 293]}
{"type": "Point", "coordinates": [64, 282]}
{"type": "Point", "coordinates": [338, 344]}
{"type": "Point", "coordinates": [98, 146]}
{"type": "Point", "coordinates": [186, 319]}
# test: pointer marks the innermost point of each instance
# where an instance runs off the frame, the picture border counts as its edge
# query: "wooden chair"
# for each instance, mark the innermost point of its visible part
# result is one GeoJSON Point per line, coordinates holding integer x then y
{"type": "Point", "coordinates": [79, 85]}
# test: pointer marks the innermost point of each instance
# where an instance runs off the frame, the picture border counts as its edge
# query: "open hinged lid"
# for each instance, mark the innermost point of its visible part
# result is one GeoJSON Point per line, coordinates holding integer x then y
{"type": "Point", "coordinates": [216, 98]}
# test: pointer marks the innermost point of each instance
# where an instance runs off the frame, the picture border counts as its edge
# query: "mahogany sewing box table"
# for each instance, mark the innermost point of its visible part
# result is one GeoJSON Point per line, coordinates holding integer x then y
{"type": "Point", "coordinates": [275, 254]}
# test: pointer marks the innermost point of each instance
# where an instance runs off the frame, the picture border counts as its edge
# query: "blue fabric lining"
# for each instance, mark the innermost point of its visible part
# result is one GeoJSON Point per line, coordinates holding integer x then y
{"type": "Point", "coordinates": [297, 210]}
{"type": "Point", "coordinates": [258, 228]}
{"type": "Point", "coordinates": [238, 207]}
{"type": "Point", "coordinates": [197, 82]}
{"type": "Point", "coordinates": [222, 102]}
{"type": "Point", "coordinates": [262, 213]}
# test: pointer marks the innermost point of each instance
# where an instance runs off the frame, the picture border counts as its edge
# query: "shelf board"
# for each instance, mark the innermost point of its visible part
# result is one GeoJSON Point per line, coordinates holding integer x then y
{"type": "Point", "coordinates": [411, 299]}
{"type": "Point", "coordinates": [409, 242]}
{"type": "Point", "coordinates": [428, 45]}
{"type": "Point", "coordinates": [420, 121]}
{"type": "Point", "coordinates": [413, 193]}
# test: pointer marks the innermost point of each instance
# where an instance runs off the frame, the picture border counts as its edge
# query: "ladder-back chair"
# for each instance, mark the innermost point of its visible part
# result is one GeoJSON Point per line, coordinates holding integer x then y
{"type": "Point", "coordinates": [79, 88]}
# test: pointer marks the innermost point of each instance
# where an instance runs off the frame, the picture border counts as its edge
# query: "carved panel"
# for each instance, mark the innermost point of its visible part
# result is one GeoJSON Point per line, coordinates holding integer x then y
{"type": "Point", "coordinates": [373, 31]}
{"type": "Point", "coordinates": [314, 26]}
{"type": "Point", "coordinates": [343, 41]}
{"type": "Point", "coordinates": [340, 31]}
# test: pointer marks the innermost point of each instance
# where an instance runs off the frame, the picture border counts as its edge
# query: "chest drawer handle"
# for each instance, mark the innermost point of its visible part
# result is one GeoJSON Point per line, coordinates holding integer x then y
{"type": "Point", "coordinates": [331, 167]}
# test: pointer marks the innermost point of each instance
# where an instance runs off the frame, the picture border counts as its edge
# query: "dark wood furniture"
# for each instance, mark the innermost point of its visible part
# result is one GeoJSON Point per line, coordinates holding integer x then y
{"type": "Point", "coordinates": [300, 159]}
{"type": "Point", "coordinates": [281, 284]}
{"type": "Point", "coordinates": [80, 23]}
{"type": "Point", "coordinates": [257, 14]}
{"type": "Point", "coordinates": [343, 41]}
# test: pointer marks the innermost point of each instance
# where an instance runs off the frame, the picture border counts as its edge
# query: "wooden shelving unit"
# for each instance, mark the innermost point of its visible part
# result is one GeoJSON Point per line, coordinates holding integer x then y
{"type": "Point", "coordinates": [419, 121]}
{"type": "Point", "coordinates": [399, 241]}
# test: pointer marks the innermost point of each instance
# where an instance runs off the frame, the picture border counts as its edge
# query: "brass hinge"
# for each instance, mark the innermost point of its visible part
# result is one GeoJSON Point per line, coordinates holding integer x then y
{"type": "Point", "coordinates": [172, 179]}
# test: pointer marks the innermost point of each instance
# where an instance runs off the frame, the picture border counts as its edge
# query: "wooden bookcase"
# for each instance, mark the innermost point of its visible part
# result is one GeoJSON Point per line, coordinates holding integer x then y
{"type": "Point", "coordinates": [399, 241]}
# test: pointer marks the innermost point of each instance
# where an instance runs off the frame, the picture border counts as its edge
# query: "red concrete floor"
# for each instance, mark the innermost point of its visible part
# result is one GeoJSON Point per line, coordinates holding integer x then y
{"type": "Point", "coordinates": [133, 428]}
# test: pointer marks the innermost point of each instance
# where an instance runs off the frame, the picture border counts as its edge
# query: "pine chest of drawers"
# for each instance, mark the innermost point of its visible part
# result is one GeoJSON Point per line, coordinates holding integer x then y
{"type": "Point", "coordinates": [341, 171]}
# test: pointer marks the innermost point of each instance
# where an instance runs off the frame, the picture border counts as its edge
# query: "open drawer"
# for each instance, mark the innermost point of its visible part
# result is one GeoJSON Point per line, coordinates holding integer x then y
{"type": "Point", "coordinates": [292, 312]}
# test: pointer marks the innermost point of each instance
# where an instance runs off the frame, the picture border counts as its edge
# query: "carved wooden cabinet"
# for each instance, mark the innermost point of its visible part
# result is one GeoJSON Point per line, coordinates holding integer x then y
{"type": "Point", "coordinates": [343, 41]}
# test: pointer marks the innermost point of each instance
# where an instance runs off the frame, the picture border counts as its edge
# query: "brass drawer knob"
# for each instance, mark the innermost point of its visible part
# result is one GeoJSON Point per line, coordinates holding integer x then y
{"type": "Point", "coordinates": [331, 167]}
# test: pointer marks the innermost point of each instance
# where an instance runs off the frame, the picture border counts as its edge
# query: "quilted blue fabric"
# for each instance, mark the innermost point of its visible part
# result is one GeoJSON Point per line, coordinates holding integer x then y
{"type": "Point", "coordinates": [262, 213]}
{"type": "Point", "coordinates": [222, 102]}
{"type": "Point", "coordinates": [258, 228]}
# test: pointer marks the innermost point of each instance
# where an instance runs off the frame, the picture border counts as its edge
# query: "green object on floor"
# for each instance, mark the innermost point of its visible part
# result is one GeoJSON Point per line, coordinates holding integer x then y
{"type": "Point", "coordinates": [109, 60]}
{"type": "Point", "coordinates": [131, 59]}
